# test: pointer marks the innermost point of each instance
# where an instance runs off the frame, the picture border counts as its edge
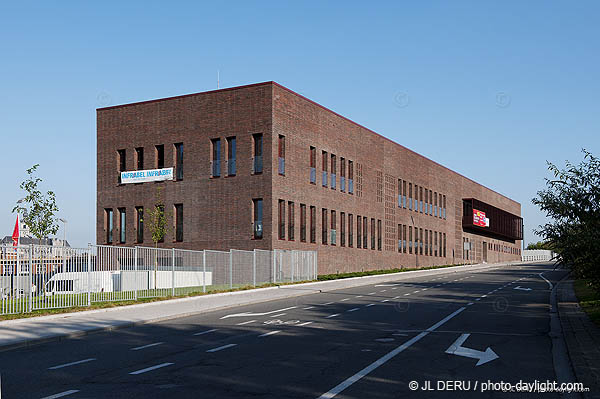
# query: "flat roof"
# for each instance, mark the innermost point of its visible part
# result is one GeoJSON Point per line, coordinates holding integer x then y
{"type": "Point", "coordinates": [312, 102]}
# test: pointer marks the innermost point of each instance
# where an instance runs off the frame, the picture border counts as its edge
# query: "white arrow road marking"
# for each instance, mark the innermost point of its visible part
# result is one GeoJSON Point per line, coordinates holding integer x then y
{"type": "Point", "coordinates": [518, 287]}
{"type": "Point", "coordinates": [549, 283]}
{"type": "Point", "coordinates": [256, 314]}
{"type": "Point", "coordinates": [482, 357]}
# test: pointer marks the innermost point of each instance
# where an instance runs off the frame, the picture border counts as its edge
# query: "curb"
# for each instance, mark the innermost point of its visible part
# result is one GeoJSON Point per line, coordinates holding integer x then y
{"type": "Point", "coordinates": [254, 296]}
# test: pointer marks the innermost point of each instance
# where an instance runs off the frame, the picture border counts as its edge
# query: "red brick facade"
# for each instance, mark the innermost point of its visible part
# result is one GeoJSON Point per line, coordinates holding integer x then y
{"type": "Point", "coordinates": [218, 211]}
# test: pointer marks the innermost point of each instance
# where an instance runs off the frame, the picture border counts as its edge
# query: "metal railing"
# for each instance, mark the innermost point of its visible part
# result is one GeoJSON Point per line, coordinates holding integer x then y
{"type": "Point", "coordinates": [43, 277]}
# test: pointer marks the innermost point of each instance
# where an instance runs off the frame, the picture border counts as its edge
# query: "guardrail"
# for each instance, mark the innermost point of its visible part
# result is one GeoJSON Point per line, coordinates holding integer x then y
{"type": "Point", "coordinates": [43, 277]}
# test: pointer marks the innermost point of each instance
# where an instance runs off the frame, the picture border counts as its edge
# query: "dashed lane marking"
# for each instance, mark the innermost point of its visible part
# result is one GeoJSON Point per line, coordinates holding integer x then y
{"type": "Point", "coordinates": [60, 366]}
{"type": "Point", "coordinates": [332, 315]}
{"type": "Point", "coordinates": [239, 324]}
{"type": "Point", "coordinates": [220, 348]}
{"type": "Point", "coordinates": [278, 315]}
{"type": "Point", "coordinates": [61, 394]}
{"type": "Point", "coordinates": [305, 323]}
{"type": "Point", "coordinates": [269, 333]}
{"type": "Point", "coordinates": [158, 366]}
{"type": "Point", "coordinates": [147, 346]}
{"type": "Point", "coordinates": [352, 310]}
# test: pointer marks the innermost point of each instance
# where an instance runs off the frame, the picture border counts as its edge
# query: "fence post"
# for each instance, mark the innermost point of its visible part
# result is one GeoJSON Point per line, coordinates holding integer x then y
{"type": "Point", "coordinates": [230, 269]}
{"type": "Point", "coordinates": [315, 265]}
{"type": "Point", "coordinates": [135, 274]}
{"type": "Point", "coordinates": [173, 273]}
{"type": "Point", "coordinates": [254, 268]}
{"type": "Point", "coordinates": [30, 306]}
{"type": "Point", "coordinates": [204, 271]}
{"type": "Point", "coordinates": [89, 271]}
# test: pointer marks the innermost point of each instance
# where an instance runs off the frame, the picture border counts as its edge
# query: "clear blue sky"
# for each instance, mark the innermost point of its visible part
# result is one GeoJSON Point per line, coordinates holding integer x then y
{"type": "Point", "coordinates": [494, 90]}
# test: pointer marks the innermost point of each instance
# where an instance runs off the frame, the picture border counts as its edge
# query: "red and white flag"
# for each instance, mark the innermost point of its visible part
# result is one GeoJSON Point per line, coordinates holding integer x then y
{"type": "Point", "coordinates": [16, 235]}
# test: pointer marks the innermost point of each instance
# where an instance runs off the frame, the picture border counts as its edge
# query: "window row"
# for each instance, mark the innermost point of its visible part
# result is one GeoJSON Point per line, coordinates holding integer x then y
{"type": "Point", "coordinates": [414, 197]}
{"type": "Point", "coordinates": [158, 161]}
{"type": "Point", "coordinates": [412, 239]}
{"type": "Point", "coordinates": [121, 223]}
{"type": "Point", "coordinates": [504, 248]}
{"type": "Point", "coordinates": [329, 170]}
{"type": "Point", "coordinates": [230, 156]}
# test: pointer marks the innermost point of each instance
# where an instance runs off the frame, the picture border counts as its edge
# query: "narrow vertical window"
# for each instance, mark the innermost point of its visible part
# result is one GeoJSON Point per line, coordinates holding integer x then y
{"type": "Point", "coordinates": [404, 194]}
{"type": "Point", "coordinates": [350, 232]}
{"type": "Point", "coordinates": [231, 156]}
{"type": "Point", "coordinates": [333, 228]}
{"type": "Point", "coordinates": [410, 239]}
{"type": "Point", "coordinates": [342, 229]}
{"type": "Point", "coordinates": [324, 162]}
{"type": "Point", "coordinates": [372, 233]}
{"type": "Point", "coordinates": [421, 199]}
{"type": "Point", "coordinates": [257, 207]}
{"type": "Point", "coordinates": [410, 196]}
{"type": "Point", "coordinates": [358, 231]}
{"type": "Point", "coordinates": [313, 165]}
{"type": "Point", "coordinates": [365, 233]}
{"type": "Point", "coordinates": [435, 243]}
{"type": "Point", "coordinates": [122, 225]}
{"type": "Point", "coordinates": [421, 241]}
{"type": "Point", "coordinates": [313, 224]}
{"type": "Point", "coordinates": [324, 226]}
{"type": "Point", "coordinates": [430, 202]}
{"type": "Point", "coordinates": [404, 237]}
{"type": "Point", "coordinates": [350, 177]}
{"type": "Point", "coordinates": [440, 206]}
{"type": "Point", "coordinates": [179, 161]}
{"type": "Point", "coordinates": [121, 163]}
{"type": "Point", "coordinates": [399, 238]}
{"type": "Point", "coordinates": [430, 242]}
{"type": "Point", "coordinates": [435, 208]}
{"type": "Point", "coordinates": [139, 158]}
{"type": "Point", "coordinates": [178, 222]}
{"type": "Point", "coordinates": [108, 225]}
{"type": "Point", "coordinates": [399, 193]}
{"type": "Point", "coordinates": [281, 151]}
{"type": "Point", "coordinates": [215, 162]}
{"type": "Point", "coordinates": [257, 160]}
{"type": "Point", "coordinates": [378, 234]}
{"type": "Point", "coordinates": [303, 222]}
{"type": "Point", "coordinates": [333, 170]}
{"type": "Point", "coordinates": [426, 243]}
{"type": "Point", "coordinates": [139, 214]}
{"type": "Point", "coordinates": [291, 219]}
{"type": "Point", "coordinates": [281, 229]}
{"type": "Point", "coordinates": [342, 175]}
{"type": "Point", "coordinates": [160, 156]}
{"type": "Point", "coordinates": [444, 248]}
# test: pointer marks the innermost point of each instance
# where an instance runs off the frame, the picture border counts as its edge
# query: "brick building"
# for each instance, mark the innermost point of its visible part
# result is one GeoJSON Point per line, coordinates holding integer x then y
{"type": "Point", "coordinates": [260, 166]}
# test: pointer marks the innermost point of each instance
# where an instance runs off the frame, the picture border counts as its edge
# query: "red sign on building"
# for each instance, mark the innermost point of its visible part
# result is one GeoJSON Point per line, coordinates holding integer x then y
{"type": "Point", "coordinates": [479, 218]}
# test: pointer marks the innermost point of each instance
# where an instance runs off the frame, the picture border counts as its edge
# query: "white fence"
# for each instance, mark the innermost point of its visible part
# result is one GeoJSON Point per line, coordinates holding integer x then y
{"type": "Point", "coordinates": [42, 277]}
{"type": "Point", "coordinates": [529, 255]}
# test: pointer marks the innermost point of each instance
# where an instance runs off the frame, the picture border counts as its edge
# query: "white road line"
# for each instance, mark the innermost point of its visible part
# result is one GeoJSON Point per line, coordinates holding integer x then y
{"type": "Point", "coordinates": [62, 394]}
{"type": "Point", "coordinates": [371, 304]}
{"type": "Point", "coordinates": [470, 303]}
{"type": "Point", "coordinates": [360, 296]}
{"type": "Point", "coordinates": [416, 291]}
{"type": "Point", "coordinates": [396, 297]}
{"type": "Point", "coordinates": [406, 294]}
{"type": "Point", "coordinates": [549, 283]}
{"type": "Point", "coordinates": [345, 299]}
{"type": "Point", "coordinates": [158, 366]}
{"type": "Point", "coordinates": [147, 346]}
{"type": "Point", "coordinates": [424, 289]}
{"type": "Point", "coordinates": [332, 315]}
{"type": "Point", "coordinates": [243, 323]}
{"type": "Point", "coordinates": [247, 314]}
{"type": "Point", "coordinates": [214, 329]}
{"type": "Point", "coordinates": [383, 291]}
{"type": "Point", "coordinates": [269, 333]}
{"type": "Point", "coordinates": [278, 315]}
{"type": "Point", "coordinates": [362, 373]}
{"type": "Point", "coordinates": [221, 348]}
{"type": "Point", "coordinates": [371, 293]}
{"type": "Point", "coordinates": [305, 323]}
{"type": "Point", "coordinates": [385, 300]}
{"type": "Point", "coordinates": [310, 307]}
{"type": "Point", "coordinates": [478, 299]}
{"type": "Point", "coordinates": [328, 303]}
{"type": "Point", "coordinates": [352, 310]}
{"type": "Point", "coordinates": [395, 288]}
{"type": "Point", "coordinates": [72, 363]}
{"type": "Point", "coordinates": [484, 296]}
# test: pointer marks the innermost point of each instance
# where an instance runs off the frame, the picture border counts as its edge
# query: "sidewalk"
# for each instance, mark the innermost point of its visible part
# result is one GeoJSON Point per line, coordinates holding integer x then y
{"type": "Point", "coordinates": [582, 338]}
{"type": "Point", "coordinates": [35, 330]}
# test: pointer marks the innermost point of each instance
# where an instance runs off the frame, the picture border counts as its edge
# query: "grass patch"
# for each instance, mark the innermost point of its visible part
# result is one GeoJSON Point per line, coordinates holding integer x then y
{"type": "Point", "coordinates": [589, 299]}
{"type": "Point", "coordinates": [337, 276]}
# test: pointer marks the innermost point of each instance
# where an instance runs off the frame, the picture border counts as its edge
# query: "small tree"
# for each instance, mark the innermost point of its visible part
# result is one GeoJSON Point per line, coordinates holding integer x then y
{"type": "Point", "coordinates": [158, 225]}
{"type": "Point", "coordinates": [39, 209]}
{"type": "Point", "coordinates": [539, 245]}
{"type": "Point", "coordinates": [572, 200]}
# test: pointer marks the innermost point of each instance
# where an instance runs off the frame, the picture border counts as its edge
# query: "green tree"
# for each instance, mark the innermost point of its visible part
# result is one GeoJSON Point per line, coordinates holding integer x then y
{"type": "Point", "coordinates": [539, 245]}
{"type": "Point", "coordinates": [158, 225]}
{"type": "Point", "coordinates": [572, 201]}
{"type": "Point", "coordinates": [39, 209]}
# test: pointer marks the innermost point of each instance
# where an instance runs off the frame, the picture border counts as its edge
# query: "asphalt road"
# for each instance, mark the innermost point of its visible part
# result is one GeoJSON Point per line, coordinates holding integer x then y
{"type": "Point", "coordinates": [363, 342]}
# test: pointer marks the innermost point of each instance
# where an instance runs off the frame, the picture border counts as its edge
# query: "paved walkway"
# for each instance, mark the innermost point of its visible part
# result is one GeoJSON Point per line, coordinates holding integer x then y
{"type": "Point", "coordinates": [582, 338]}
